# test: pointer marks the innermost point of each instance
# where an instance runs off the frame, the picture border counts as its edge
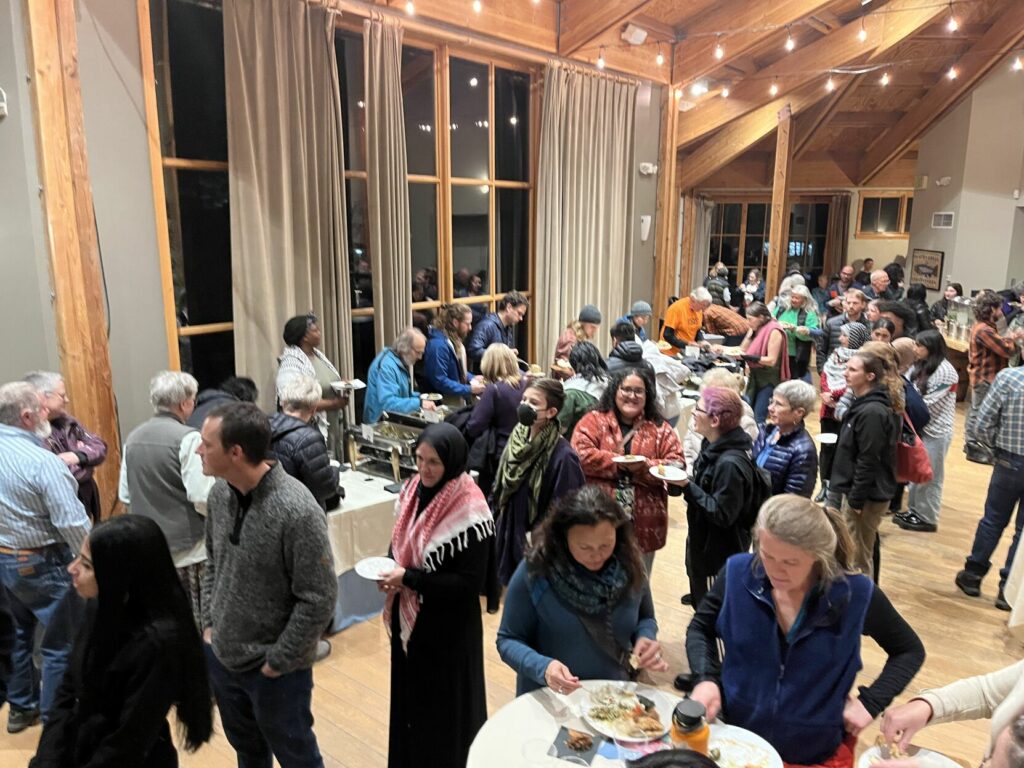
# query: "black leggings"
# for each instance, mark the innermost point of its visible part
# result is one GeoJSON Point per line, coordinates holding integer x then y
{"type": "Point", "coordinates": [827, 453]}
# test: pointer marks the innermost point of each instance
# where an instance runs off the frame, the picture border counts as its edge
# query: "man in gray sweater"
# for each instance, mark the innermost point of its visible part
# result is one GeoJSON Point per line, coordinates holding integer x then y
{"type": "Point", "coordinates": [268, 592]}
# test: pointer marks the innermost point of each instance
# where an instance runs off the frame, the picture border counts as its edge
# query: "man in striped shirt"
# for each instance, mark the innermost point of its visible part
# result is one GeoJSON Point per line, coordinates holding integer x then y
{"type": "Point", "coordinates": [42, 526]}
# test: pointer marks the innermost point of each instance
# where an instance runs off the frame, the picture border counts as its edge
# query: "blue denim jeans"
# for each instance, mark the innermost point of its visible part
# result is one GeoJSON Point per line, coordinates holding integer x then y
{"type": "Point", "coordinates": [265, 717]}
{"type": "Point", "coordinates": [761, 401]}
{"type": "Point", "coordinates": [1005, 491]}
{"type": "Point", "coordinates": [39, 587]}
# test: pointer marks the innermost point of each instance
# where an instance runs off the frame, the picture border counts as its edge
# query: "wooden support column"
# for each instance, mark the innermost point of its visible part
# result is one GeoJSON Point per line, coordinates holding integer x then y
{"type": "Point", "coordinates": [778, 238]}
{"type": "Point", "coordinates": [689, 202]}
{"type": "Point", "coordinates": [665, 239]}
{"type": "Point", "coordinates": [75, 275]}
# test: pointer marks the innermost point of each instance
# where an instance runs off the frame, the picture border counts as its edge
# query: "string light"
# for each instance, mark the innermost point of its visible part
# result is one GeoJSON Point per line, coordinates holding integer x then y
{"type": "Point", "coordinates": [600, 56]}
{"type": "Point", "coordinates": [679, 93]}
{"type": "Point", "coordinates": [885, 78]}
{"type": "Point", "coordinates": [790, 42]}
{"type": "Point", "coordinates": [719, 50]}
{"type": "Point", "coordinates": [952, 73]}
{"type": "Point", "coordinates": [477, 6]}
{"type": "Point", "coordinates": [410, 9]}
{"type": "Point", "coordinates": [862, 35]}
{"type": "Point", "coordinates": [660, 58]}
{"type": "Point", "coordinates": [952, 25]}
{"type": "Point", "coordinates": [774, 90]}
{"type": "Point", "coordinates": [830, 85]}
{"type": "Point", "coordinates": [725, 93]}
{"type": "Point", "coordinates": [698, 89]}
{"type": "Point", "coordinates": [1018, 64]}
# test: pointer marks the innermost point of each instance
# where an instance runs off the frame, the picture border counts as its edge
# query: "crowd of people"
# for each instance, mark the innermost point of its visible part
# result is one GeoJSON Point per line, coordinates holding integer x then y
{"type": "Point", "coordinates": [219, 584]}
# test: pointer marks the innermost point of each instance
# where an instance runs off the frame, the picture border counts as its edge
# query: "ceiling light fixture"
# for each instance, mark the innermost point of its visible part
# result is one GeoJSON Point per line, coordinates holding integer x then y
{"type": "Point", "coordinates": [885, 78]}
{"type": "Point", "coordinates": [862, 35]}
{"type": "Point", "coordinates": [477, 6]}
{"type": "Point", "coordinates": [410, 9]}
{"type": "Point", "coordinates": [790, 42]}
{"type": "Point", "coordinates": [952, 25]}
{"type": "Point", "coordinates": [679, 93]}
{"type": "Point", "coordinates": [725, 93]}
{"type": "Point", "coordinates": [1018, 64]}
{"type": "Point", "coordinates": [600, 57]}
{"type": "Point", "coordinates": [774, 89]}
{"type": "Point", "coordinates": [719, 50]}
{"type": "Point", "coordinates": [830, 85]}
{"type": "Point", "coordinates": [660, 58]}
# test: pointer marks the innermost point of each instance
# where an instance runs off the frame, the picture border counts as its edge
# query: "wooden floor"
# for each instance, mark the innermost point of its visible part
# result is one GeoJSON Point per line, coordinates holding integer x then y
{"type": "Point", "coordinates": [963, 637]}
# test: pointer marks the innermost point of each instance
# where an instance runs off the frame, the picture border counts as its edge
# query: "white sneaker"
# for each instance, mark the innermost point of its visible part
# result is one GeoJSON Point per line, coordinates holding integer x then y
{"type": "Point", "coordinates": [323, 650]}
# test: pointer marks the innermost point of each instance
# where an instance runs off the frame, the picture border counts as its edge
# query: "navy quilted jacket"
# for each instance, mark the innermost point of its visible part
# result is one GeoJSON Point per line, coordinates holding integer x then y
{"type": "Point", "coordinates": [793, 461]}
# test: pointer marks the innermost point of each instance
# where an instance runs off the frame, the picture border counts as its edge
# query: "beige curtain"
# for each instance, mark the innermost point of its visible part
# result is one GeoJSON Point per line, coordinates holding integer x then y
{"type": "Point", "coordinates": [838, 236]}
{"type": "Point", "coordinates": [584, 201]}
{"type": "Point", "coordinates": [289, 251]}
{"type": "Point", "coordinates": [387, 185]}
{"type": "Point", "coordinates": [704, 210]}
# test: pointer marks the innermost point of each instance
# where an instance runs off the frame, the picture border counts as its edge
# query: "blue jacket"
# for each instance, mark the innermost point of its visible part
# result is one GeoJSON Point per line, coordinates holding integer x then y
{"type": "Point", "coordinates": [792, 461]}
{"type": "Point", "coordinates": [537, 628]}
{"type": "Point", "coordinates": [388, 387]}
{"type": "Point", "coordinates": [640, 332]}
{"type": "Point", "coordinates": [441, 367]}
{"type": "Point", "coordinates": [489, 331]}
{"type": "Point", "coordinates": [792, 694]}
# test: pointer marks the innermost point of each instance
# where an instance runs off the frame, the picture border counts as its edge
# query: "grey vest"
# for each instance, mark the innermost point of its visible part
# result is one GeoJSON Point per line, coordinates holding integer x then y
{"type": "Point", "coordinates": [154, 481]}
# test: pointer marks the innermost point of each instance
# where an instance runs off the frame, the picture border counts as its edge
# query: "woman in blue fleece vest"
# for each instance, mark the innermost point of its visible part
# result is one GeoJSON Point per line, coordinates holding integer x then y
{"type": "Point", "coordinates": [791, 617]}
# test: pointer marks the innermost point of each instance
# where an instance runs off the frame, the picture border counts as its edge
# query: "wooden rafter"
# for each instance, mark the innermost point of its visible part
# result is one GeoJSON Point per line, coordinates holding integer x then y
{"type": "Point", "coordinates": [810, 124]}
{"type": "Point", "coordinates": [583, 21]}
{"type": "Point", "coordinates": [778, 238]}
{"type": "Point", "coordinates": [743, 133]}
{"type": "Point", "coordinates": [695, 58]}
{"type": "Point", "coordinates": [842, 47]}
{"type": "Point", "coordinates": [1003, 36]}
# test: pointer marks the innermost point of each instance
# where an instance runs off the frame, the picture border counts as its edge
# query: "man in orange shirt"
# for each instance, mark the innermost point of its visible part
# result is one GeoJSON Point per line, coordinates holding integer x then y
{"type": "Point", "coordinates": [684, 319]}
{"type": "Point", "coordinates": [726, 322]}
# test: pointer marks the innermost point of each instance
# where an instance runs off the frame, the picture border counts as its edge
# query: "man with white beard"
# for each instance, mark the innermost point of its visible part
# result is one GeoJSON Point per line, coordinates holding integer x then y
{"type": "Point", "coordinates": [42, 526]}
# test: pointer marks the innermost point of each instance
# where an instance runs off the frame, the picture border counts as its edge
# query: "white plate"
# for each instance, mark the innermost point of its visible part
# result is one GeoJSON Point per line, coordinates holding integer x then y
{"type": "Point", "coordinates": [662, 703]}
{"type": "Point", "coordinates": [740, 748]}
{"type": "Point", "coordinates": [372, 567]}
{"type": "Point", "coordinates": [925, 757]}
{"type": "Point", "coordinates": [341, 386]}
{"type": "Point", "coordinates": [828, 438]}
{"type": "Point", "coordinates": [629, 458]}
{"type": "Point", "coordinates": [670, 473]}
{"type": "Point", "coordinates": [433, 397]}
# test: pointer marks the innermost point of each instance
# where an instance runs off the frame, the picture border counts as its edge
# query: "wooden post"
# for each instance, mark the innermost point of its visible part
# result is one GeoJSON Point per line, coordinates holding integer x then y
{"type": "Point", "coordinates": [689, 236]}
{"type": "Point", "coordinates": [668, 207]}
{"type": "Point", "coordinates": [778, 237]}
{"type": "Point", "coordinates": [75, 276]}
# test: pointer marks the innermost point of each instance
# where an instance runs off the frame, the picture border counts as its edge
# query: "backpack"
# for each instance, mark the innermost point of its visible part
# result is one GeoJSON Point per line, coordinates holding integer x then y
{"type": "Point", "coordinates": [761, 486]}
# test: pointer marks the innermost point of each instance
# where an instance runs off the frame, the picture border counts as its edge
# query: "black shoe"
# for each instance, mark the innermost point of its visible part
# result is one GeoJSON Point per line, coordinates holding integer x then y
{"type": "Point", "coordinates": [1001, 603]}
{"type": "Point", "coordinates": [911, 521]}
{"type": "Point", "coordinates": [969, 583]}
{"type": "Point", "coordinates": [684, 682]}
{"type": "Point", "coordinates": [686, 599]}
{"type": "Point", "coordinates": [20, 719]}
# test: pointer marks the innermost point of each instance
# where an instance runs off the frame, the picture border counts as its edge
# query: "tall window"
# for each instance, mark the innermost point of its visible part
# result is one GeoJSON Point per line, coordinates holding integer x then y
{"type": "Point", "coordinates": [188, 58]}
{"type": "Point", "coordinates": [808, 227]}
{"type": "Point", "coordinates": [886, 215]}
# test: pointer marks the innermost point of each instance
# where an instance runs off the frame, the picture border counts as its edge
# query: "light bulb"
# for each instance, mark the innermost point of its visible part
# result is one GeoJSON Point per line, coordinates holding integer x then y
{"type": "Point", "coordinates": [660, 58]}
{"type": "Point", "coordinates": [477, 6]}
{"type": "Point", "coordinates": [679, 93]}
{"type": "Point", "coordinates": [885, 78]}
{"type": "Point", "coordinates": [952, 73]}
{"type": "Point", "coordinates": [862, 35]}
{"type": "Point", "coordinates": [600, 57]}
{"type": "Point", "coordinates": [410, 9]}
{"type": "Point", "coordinates": [695, 89]}
{"type": "Point", "coordinates": [774, 89]}
{"type": "Point", "coordinates": [790, 42]}
{"type": "Point", "coordinates": [725, 93]}
{"type": "Point", "coordinates": [719, 50]}
{"type": "Point", "coordinates": [952, 25]}
{"type": "Point", "coordinates": [830, 85]}
{"type": "Point", "coordinates": [1018, 64]}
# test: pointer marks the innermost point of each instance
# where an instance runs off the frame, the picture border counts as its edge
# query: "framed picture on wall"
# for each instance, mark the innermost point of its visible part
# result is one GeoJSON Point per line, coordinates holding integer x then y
{"type": "Point", "coordinates": [926, 268]}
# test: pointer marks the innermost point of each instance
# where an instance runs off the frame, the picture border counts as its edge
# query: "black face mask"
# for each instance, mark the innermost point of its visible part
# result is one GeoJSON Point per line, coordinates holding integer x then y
{"type": "Point", "coordinates": [526, 414]}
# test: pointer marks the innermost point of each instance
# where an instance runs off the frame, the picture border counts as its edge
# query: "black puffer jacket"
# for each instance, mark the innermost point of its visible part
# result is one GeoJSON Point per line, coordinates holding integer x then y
{"type": "Point", "coordinates": [302, 452]}
{"type": "Point", "coordinates": [864, 468]}
{"type": "Point", "coordinates": [627, 354]}
{"type": "Point", "coordinates": [206, 401]}
{"type": "Point", "coordinates": [715, 500]}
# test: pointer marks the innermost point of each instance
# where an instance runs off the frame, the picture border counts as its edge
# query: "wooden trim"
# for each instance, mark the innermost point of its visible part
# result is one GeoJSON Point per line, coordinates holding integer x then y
{"type": "Point", "coordinates": [883, 236]}
{"type": "Point", "coordinates": [362, 312]}
{"type": "Point", "coordinates": [689, 203]}
{"type": "Point", "coordinates": [163, 239]}
{"type": "Point", "coordinates": [427, 304]}
{"type": "Point", "coordinates": [205, 329]}
{"type": "Point", "coordinates": [442, 107]}
{"type": "Point", "coordinates": [511, 184]}
{"type": "Point", "coordinates": [362, 175]}
{"type": "Point", "coordinates": [900, 234]}
{"type": "Point", "coordinates": [416, 178]}
{"type": "Point", "coordinates": [464, 182]}
{"type": "Point", "coordinates": [71, 237]}
{"type": "Point", "coordinates": [185, 164]}
{"type": "Point", "coordinates": [741, 257]}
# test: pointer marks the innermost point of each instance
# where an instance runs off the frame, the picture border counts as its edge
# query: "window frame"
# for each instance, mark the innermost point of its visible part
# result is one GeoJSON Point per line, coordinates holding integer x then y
{"type": "Point", "coordinates": [902, 232]}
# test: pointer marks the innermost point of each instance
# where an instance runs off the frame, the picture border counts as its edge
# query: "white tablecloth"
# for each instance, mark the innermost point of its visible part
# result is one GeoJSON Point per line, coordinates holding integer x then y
{"type": "Point", "coordinates": [361, 526]}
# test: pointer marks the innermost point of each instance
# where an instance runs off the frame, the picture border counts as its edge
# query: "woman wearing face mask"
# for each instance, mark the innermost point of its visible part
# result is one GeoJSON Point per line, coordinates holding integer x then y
{"type": "Point", "coordinates": [626, 422]}
{"type": "Point", "coordinates": [138, 655]}
{"type": "Point", "coordinates": [579, 606]}
{"type": "Point", "coordinates": [440, 543]}
{"type": "Point", "coordinates": [537, 467]}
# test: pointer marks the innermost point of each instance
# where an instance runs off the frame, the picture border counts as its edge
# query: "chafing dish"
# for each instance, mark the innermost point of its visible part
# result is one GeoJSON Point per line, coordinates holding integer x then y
{"type": "Point", "coordinates": [388, 447]}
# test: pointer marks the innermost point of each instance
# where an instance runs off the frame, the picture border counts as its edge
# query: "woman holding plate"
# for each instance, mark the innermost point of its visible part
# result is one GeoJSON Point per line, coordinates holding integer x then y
{"type": "Point", "coordinates": [579, 606]}
{"type": "Point", "coordinates": [620, 442]}
{"type": "Point", "coordinates": [791, 617]}
{"type": "Point", "coordinates": [441, 544]}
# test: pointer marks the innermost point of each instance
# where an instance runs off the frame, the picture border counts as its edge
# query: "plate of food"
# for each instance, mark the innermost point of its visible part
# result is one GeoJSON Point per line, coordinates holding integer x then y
{"type": "Point", "coordinates": [561, 364]}
{"type": "Point", "coordinates": [629, 458]}
{"type": "Point", "coordinates": [623, 711]}
{"type": "Point", "coordinates": [668, 472]}
{"type": "Point", "coordinates": [882, 750]}
{"type": "Point", "coordinates": [433, 397]}
{"type": "Point", "coordinates": [734, 747]}
{"type": "Point", "coordinates": [372, 567]}
{"type": "Point", "coordinates": [535, 370]}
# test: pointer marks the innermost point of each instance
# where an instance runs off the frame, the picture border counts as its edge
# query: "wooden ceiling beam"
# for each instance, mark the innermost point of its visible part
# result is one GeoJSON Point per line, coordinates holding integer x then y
{"type": "Point", "coordinates": [842, 47]}
{"type": "Point", "coordinates": [580, 22]}
{"type": "Point", "coordinates": [939, 32]}
{"type": "Point", "coordinates": [810, 124]}
{"type": "Point", "coordinates": [661, 30]}
{"type": "Point", "coordinates": [865, 119]}
{"type": "Point", "coordinates": [820, 26]}
{"type": "Point", "coordinates": [743, 133]}
{"type": "Point", "coordinates": [695, 54]}
{"type": "Point", "coordinates": [1006, 32]}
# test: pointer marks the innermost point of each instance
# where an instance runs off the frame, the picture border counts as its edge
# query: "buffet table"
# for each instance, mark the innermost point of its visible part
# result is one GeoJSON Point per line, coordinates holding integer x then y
{"type": "Point", "coordinates": [958, 357]}
{"type": "Point", "coordinates": [359, 527]}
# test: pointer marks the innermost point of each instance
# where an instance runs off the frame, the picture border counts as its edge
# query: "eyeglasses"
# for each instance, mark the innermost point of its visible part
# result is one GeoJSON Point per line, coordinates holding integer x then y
{"type": "Point", "coordinates": [63, 396]}
{"type": "Point", "coordinates": [633, 391]}
{"type": "Point", "coordinates": [698, 409]}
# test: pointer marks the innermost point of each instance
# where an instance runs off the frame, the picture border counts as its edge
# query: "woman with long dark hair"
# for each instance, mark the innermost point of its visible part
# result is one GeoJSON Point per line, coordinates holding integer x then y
{"type": "Point", "coordinates": [579, 606]}
{"type": "Point", "coordinates": [941, 308]}
{"type": "Point", "coordinates": [138, 654]}
{"type": "Point", "coordinates": [585, 387]}
{"type": "Point", "coordinates": [936, 379]}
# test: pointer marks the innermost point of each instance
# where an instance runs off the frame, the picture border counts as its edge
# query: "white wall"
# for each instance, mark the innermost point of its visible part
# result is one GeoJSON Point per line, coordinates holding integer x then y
{"type": "Point", "coordinates": [646, 144]}
{"type": "Point", "coordinates": [882, 250]}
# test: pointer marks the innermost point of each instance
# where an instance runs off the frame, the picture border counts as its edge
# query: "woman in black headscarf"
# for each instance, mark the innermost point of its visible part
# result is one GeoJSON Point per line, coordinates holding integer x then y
{"type": "Point", "coordinates": [441, 544]}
